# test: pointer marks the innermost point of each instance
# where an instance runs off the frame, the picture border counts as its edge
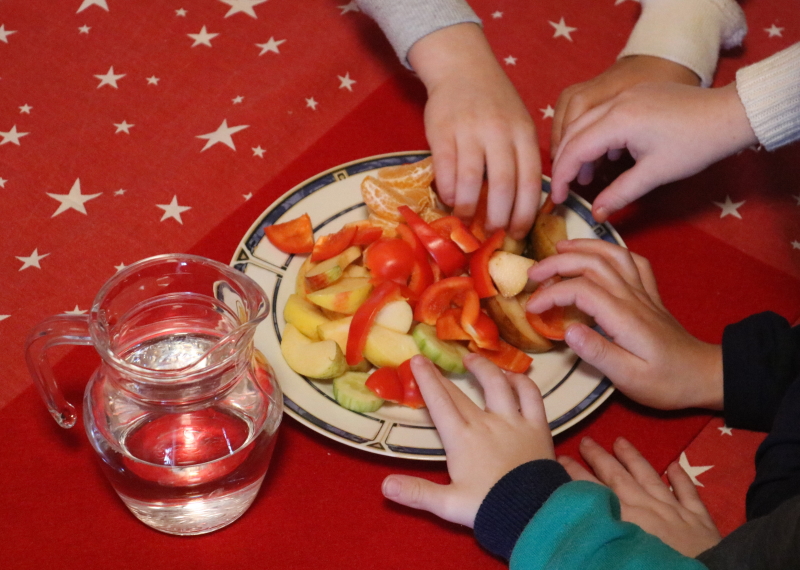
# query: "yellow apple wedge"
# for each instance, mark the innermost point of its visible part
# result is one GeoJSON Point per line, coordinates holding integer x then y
{"type": "Point", "coordinates": [321, 359]}
{"type": "Point", "coordinates": [509, 272]}
{"type": "Point", "coordinates": [395, 315]}
{"type": "Point", "coordinates": [304, 315]}
{"type": "Point", "coordinates": [328, 272]}
{"type": "Point", "coordinates": [344, 296]}
{"type": "Point", "coordinates": [386, 347]}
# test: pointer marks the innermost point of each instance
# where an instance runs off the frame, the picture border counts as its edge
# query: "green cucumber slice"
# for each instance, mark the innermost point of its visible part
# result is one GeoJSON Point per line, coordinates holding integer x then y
{"type": "Point", "coordinates": [351, 392]}
{"type": "Point", "coordinates": [446, 354]}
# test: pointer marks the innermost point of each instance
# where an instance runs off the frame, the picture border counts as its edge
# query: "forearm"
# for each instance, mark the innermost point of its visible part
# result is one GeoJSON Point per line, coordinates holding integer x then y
{"type": "Point", "coordinates": [770, 93]}
{"type": "Point", "coordinates": [407, 21]}
{"type": "Point", "coordinates": [687, 32]}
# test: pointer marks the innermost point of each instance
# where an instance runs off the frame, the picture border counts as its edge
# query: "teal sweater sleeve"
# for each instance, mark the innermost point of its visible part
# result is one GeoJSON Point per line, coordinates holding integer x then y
{"type": "Point", "coordinates": [579, 526]}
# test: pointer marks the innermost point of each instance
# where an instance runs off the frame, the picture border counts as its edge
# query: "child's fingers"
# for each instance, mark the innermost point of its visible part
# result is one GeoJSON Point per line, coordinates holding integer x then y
{"type": "Point", "coordinates": [427, 496]}
{"type": "Point", "coordinates": [557, 131]}
{"type": "Point", "coordinates": [641, 470]}
{"type": "Point", "coordinates": [501, 174]}
{"type": "Point", "coordinates": [685, 491]}
{"type": "Point", "coordinates": [529, 186]}
{"type": "Point", "coordinates": [619, 258]}
{"type": "Point", "coordinates": [577, 471]}
{"type": "Point", "coordinates": [626, 188]}
{"type": "Point", "coordinates": [647, 277]}
{"type": "Point", "coordinates": [531, 405]}
{"type": "Point", "coordinates": [613, 360]}
{"type": "Point", "coordinates": [443, 408]}
{"type": "Point", "coordinates": [497, 392]}
{"type": "Point", "coordinates": [469, 176]}
{"type": "Point", "coordinates": [443, 151]}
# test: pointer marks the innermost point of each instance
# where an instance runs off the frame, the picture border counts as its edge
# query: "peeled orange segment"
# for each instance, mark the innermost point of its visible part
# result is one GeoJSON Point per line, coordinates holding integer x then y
{"type": "Point", "coordinates": [383, 198]}
{"type": "Point", "coordinates": [413, 175]}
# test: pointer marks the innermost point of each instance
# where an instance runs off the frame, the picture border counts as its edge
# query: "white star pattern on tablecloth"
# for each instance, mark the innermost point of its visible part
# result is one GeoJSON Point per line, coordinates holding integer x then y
{"type": "Point", "coordinates": [258, 151]}
{"type": "Point", "coordinates": [222, 135]}
{"type": "Point", "coordinates": [173, 210]}
{"type": "Point", "coordinates": [237, 100]}
{"type": "Point", "coordinates": [202, 37]}
{"type": "Point", "coordinates": [345, 82]}
{"type": "Point", "coordinates": [796, 244]}
{"type": "Point", "coordinates": [247, 196]}
{"type": "Point", "coordinates": [797, 199]}
{"type": "Point", "coordinates": [26, 109]}
{"type": "Point", "coordinates": [73, 200]}
{"type": "Point", "coordinates": [123, 127]}
{"type": "Point", "coordinates": [271, 45]}
{"type": "Point", "coordinates": [32, 260]}
{"type": "Point", "coordinates": [243, 6]}
{"type": "Point", "coordinates": [562, 29]}
{"type": "Point", "coordinates": [86, 3]}
{"type": "Point", "coordinates": [730, 208]}
{"type": "Point", "coordinates": [311, 103]}
{"type": "Point", "coordinates": [4, 317]}
{"type": "Point", "coordinates": [119, 267]}
{"type": "Point", "coordinates": [691, 470]}
{"type": "Point", "coordinates": [774, 31]}
{"type": "Point", "coordinates": [110, 78]}
{"type": "Point", "coordinates": [152, 80]}
{"type": "Point", "coordinates": [497, 15]}
{"type": "Point", "coordinates": [5, 33]}
{"type": "Point", "coordinates": [3, 182]}
{"type": "Point", "coordinates": [84, 30]}
{"type": "Point", "coordinates": [548, 112]}
{"type": "Point", "coordinates": [351, 7]}
{"type": "Point", "coordinates": [11, 136]}
{"type": "Point", "coordinates": [725, 430]}
{"type": "Point", "coordinates": [180, 12]}
{"type": "Point", "coordinates": [119, 192]}
{"type": "Point", "coordinates": [510, 60]}
{"type": "Point", "coordinates": [76, 311]}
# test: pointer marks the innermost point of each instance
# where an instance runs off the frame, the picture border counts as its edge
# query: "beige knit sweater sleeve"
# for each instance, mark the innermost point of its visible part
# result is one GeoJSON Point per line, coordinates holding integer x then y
{"type": "Point", "coordinates": [688, 32]}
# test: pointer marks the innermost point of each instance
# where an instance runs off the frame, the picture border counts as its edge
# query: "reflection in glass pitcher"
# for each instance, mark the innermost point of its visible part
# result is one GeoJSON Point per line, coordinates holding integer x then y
{"type": "Point", "coordinates": [183, 410]}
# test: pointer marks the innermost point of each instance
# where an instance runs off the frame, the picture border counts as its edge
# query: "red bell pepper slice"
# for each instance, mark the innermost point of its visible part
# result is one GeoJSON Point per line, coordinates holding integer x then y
{"type": "Point", "coordinates": [330, 245]}
{"type": "Point", "coordinates": [551, 324]}
{"type": "Point", "coordinates": [479, 265]}
{"type": "Point", "coordinates": [385, 383]}
{"type": "Point", "coordinates": [411, 394]}
{"type": "Point", "coordinates": [477, 324]}
{"type": "Point", "coordinates": [454, 229]}
{"type": "Point", "coordinates": [422, 275]}
{"type": "Point", "coordinates": [507, 357]}
{"type": "Point", "coordinates": [438, 297]}
{"type": "Point", "coordinates": [366, 233]}
{"type": "Point", "coordinates": [444, 251]}
{"type": "Point", "coordinates": [391, 259]}
{"type": "Point", "coordinates": [363, 318]}
{"type": "Point", "coordinates": [547, 206]}
{"type": "Point", "coordinates": [448, 326]}
{"type": "Point", "coordinates": [294, 236]}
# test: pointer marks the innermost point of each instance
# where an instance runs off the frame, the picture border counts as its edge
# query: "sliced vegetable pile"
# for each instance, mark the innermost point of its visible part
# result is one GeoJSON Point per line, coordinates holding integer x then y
{"type": "Point", "coordinates": [369, 297]}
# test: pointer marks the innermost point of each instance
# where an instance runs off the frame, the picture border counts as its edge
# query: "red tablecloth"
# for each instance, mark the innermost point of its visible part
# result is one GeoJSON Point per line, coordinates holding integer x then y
{"type": "Point", "coordinates": [104, 105]}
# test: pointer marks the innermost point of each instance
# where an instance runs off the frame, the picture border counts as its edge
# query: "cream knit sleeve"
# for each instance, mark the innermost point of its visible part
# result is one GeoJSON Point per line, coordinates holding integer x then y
{"type": "Point", "coordinates": [688, 32]}
{"type": "Point", "coordinates": [770, 92]}
{"type": "Point", "coordinates": [406, 21]}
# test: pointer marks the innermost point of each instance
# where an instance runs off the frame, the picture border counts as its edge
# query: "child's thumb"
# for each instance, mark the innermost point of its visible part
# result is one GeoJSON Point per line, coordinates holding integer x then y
{"type": "Point", "coordinates": [419, 494]}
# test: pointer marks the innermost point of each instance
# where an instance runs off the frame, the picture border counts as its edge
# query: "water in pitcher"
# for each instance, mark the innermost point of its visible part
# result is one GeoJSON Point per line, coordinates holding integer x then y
{"type": "Point", "coordinates": [189, 472]}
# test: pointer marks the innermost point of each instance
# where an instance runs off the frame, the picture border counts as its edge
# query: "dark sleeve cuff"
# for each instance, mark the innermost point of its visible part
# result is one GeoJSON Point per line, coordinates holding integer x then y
{"type": "Point", "coordinates": [760, 361]}
{"type": "Point", "coordinates": [511, 503]}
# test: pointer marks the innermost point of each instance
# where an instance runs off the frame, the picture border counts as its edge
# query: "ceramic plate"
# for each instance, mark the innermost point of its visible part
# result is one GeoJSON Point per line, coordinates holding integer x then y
{"type": "Point", "coordinates": [572, 389]}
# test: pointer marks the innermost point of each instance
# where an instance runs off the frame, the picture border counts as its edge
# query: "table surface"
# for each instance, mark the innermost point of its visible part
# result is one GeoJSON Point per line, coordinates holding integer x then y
{"type": "Point", "coordinates": [113, 118]}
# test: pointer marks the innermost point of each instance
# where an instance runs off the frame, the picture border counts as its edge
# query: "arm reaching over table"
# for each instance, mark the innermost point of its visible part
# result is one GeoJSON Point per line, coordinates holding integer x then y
{"type": "Point", "coordinates": [674, 131]}
{"type": "Point", "coordinates": [475, 121]}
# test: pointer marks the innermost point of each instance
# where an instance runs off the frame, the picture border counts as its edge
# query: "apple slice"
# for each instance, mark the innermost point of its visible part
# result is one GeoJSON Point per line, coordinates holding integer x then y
{"type": "Point", "coordinates": [386, 347]}
{"type": "Point", "coordinates": [344, 296]}
{"type": "Point", "coordinates": [321, 360]}
{"type": "Point", "coordinates": [304, 315]}
{"type": "Point", "coordinates": [509, 315]}
{"type": "Point", "coordinates": [301, 287]}
{"type": "Point", "coordinates": [395, 315]}
{"type": "Point", "coordinates": [336, 331]}
{"type": "Point", "coordinates": [328, 272]}
{"type": "Point", "coordinates": [509, 272]}
{"type": "Point", "coordinates": [548, 230]}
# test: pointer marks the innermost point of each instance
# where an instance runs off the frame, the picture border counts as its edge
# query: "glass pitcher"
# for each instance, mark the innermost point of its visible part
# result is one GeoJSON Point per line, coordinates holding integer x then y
{"type": "Point", "coordinates": [183, 410]}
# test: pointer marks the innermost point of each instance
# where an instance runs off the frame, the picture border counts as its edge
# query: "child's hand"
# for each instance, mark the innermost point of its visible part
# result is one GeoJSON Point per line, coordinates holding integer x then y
{"type": "Point", "coordinates": [626, 72]}
{"type": "Point", "coordinates": [481, 446]}
{"type": "Point", "coordinates": [672, 131]}
{"type": "Point", "coordinates": [678, 516]}
{"type": "Point", "coordinates": [651, 358]}
{"type": "Point", "coordinates": [476, 121]}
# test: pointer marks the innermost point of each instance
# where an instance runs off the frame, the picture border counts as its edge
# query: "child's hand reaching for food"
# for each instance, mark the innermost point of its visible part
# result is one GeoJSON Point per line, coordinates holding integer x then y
{"type": "Point", "coordinates": [476, 122]}
{"type": "Point", "coordinates": [650, 357]}
{"type": "Point", "coordinates": [481, 445]}
{"type": "Point", "coordinates": [677, 516]}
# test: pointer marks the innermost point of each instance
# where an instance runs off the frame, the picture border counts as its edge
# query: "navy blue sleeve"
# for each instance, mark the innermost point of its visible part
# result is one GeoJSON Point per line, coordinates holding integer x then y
{"type": "Point", "coordinates": [511, 503]}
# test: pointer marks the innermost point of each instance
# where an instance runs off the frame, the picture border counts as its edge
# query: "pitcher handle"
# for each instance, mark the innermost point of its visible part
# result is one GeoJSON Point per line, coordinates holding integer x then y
{"type": "Point", "coordinates": [55, 331]}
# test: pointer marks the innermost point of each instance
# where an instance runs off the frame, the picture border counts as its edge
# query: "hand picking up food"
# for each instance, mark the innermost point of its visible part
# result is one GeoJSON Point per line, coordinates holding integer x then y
{"type": "Point", "coordinates": [412, 279]}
